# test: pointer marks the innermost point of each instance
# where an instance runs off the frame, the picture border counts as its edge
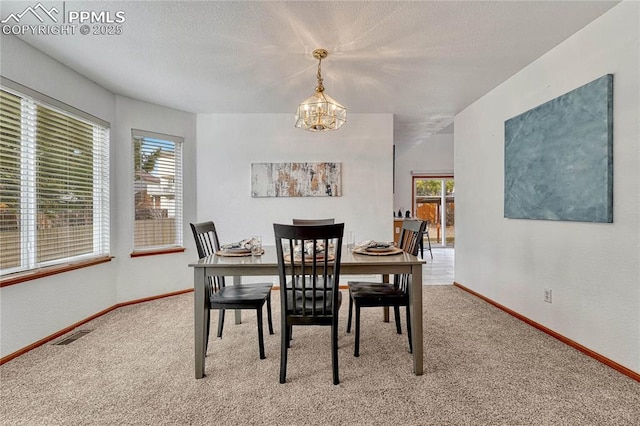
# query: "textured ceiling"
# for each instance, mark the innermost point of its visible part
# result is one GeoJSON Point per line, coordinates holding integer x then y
{"type": "Point", "coordinates": [423, 61]}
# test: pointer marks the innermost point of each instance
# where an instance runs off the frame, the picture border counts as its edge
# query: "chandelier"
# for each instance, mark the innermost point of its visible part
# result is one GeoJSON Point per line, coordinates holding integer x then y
{"type": "Point", "coordinates": [320, 112]}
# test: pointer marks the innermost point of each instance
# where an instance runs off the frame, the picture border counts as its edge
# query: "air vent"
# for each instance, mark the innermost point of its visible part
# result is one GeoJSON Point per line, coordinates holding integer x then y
{"type": "Point", "coordinates": [73, 337]}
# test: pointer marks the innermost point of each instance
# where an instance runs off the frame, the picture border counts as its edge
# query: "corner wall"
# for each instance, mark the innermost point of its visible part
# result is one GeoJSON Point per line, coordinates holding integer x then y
{"type": "Point", "coordinates": [33, 310]}
{"type": "Point", "coordinates": [592, 269]}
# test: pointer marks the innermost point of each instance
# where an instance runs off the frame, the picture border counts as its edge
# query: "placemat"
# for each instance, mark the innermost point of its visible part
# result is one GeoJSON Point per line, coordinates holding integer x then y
{"type": "Point", "coordinates": [225, 253]}
{"type": "Point", "coordinates": [395, 250]}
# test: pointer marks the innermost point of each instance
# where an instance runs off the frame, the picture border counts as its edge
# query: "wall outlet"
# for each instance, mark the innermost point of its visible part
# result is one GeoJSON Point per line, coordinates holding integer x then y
{"type": "Point", "coordinates": [547, 295]}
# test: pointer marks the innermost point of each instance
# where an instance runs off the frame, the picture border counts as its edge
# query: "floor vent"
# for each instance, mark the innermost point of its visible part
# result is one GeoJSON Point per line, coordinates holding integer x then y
{"type": "Point", "coordinates": [73, 337]}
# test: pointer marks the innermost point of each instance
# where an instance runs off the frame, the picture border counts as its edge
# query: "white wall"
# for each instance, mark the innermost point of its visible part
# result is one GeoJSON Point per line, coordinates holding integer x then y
{"type": "Point", "coordinates": [434, 156]}
{"type": "Point", "coordinates": [229, 143]}
{"type": "Point", "coordinates": [33, 310]}
{"type": "Point", "coordinates": [140, 277]}
{"type": "Point", "coordinates": [592, 269]}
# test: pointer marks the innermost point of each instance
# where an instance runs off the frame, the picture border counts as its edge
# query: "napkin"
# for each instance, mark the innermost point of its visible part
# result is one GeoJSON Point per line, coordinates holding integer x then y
{"type": "Point", "coordinates": [308, 248]}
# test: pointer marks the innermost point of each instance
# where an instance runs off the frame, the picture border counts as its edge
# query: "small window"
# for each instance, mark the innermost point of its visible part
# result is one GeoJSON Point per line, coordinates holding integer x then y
{"type": "Point", "coordinates": [54, 183]}
{"type": "Point", "coordinates": [157, 192]}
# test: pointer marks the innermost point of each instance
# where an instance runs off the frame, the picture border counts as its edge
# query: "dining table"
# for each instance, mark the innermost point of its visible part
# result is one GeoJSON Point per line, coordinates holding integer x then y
{"type": "Point", "coordinates": [267, 265]}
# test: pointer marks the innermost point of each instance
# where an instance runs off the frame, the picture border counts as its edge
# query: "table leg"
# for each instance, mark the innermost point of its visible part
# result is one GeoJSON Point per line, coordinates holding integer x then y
{"type": "Point", "coordinates": [385, 309]}
{"type": "Point", "coordinates": [199, 278]}
{"type": "Point", "coordinates": [237, 280]}
{"type": "Point", "coordinates": [415, 297]}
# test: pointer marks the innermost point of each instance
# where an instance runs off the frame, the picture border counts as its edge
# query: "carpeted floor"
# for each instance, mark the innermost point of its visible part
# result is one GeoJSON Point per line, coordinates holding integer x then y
{"type": "Point", "coordinates": [482, 367]}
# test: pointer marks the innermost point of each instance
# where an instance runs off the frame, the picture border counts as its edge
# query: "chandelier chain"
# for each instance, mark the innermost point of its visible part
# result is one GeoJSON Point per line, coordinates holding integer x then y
{"type": "Point", "coordinates": [320, 87]}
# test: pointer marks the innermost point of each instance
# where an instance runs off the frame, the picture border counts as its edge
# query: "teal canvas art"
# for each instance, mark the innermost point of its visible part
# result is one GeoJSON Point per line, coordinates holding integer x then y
{"type": "Point", "coordinates": [558, 157]}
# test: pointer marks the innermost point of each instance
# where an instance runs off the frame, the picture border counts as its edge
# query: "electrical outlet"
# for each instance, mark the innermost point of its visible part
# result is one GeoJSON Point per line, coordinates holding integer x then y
{"type": "Point", "coordinates": [547, 295]}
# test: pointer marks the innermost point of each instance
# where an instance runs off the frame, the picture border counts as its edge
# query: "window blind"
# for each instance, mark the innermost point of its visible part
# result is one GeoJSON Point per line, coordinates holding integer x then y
{"type": "Point", "coordinates": [157, 191]}
{"type": "Point", "coordinates": [10, 155]}
{"type": "Point", "coordinates": [54, 188]}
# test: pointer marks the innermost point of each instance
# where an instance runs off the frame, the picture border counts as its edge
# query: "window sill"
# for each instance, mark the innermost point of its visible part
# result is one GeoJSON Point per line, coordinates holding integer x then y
{"type": "Point", "coordinates": [20, 277]}
{"type": "Point", "coordinates": [155, 252]}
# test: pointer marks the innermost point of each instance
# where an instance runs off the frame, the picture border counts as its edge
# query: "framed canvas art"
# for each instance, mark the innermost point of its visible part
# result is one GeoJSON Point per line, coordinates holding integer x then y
{"type": "Point", "coordinates": [296, 180]}
{"type": "Point", "coordinates": [558, 157]}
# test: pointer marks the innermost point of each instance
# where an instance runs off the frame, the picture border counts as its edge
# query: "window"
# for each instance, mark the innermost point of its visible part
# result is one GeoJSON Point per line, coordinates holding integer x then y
{"type": "Point", "coordinates": [157, 192]}
{"type": "Point", "coordinates": [54, 182]}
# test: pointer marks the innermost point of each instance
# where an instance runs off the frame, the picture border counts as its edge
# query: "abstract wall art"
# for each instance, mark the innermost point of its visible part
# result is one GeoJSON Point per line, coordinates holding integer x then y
{"type": "Point", "coordinates": [558, 157]}
{"type": "Point", "coordinates": [296, 180]}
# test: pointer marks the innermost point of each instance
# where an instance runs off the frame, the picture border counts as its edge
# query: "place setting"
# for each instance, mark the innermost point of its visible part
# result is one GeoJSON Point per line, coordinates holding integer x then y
{"type": "Point", "coordinates": [307, 248]}
{"type": "Point", "coordinates": [377, 248]}
{"type": "Point", "coordinates": [246, 247]}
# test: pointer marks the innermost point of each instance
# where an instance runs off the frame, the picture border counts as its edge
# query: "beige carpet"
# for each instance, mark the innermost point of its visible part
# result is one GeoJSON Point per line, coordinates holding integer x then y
{"type": "Point", "coordinates": [482, 367]}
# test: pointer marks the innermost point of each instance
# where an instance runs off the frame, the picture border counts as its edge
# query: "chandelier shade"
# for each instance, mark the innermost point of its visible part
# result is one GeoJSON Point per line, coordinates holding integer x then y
{"type": "Point", "coordinates": [320, 112]}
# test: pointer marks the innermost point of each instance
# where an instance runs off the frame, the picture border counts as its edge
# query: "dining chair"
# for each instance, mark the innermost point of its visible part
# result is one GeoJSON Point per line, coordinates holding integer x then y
{"type": "Point", "coordinates": [222, 297]}
{"type": "Point", "coordinates": [396, 294]}
{"type": "Point", "coordinates": [311, 222]}
{"type": "Point", "coordinates": [309, 271]}
{"type": "Point", "coordinates": [314, 221]}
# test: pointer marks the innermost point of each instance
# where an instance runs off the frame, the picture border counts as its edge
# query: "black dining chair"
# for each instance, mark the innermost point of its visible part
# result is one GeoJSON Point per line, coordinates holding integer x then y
{"type": "Point", "coordinates": [222, 297]}
{"type": "Point", "coordinates": [396, 294]}
{"type": "Point", "coordinates": [309, 271]}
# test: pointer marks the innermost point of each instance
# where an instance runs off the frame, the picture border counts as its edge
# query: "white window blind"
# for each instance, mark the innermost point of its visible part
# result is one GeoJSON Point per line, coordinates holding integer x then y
{"type": "Point", "coordinates": [54, 185]}
{"type": "Point", "coordinates": [157, 191]}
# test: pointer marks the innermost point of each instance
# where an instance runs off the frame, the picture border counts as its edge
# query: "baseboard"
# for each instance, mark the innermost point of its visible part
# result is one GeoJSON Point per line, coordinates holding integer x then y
{"type": "Point", "coordinates": [606, 361]}
{"type": "Point", "coordinates": [84, 321]}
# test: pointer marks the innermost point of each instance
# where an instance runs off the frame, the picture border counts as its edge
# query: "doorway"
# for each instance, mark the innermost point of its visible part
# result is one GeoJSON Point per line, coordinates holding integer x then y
{"type": "Point", "coordinates": [434, 201]}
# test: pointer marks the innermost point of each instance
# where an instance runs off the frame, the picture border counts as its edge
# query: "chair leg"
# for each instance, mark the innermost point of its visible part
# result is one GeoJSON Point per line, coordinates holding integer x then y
{"type": "Point", "coordinates": [429, 241]}
{"type": "Point", "coordinates": [334, 351]}
{"type": "Point", "coordinates": [350, 313]}
{"type": "Point", "coordinates": [396, 311]}
{"type": "Point", "coordinates": [269, 314]}
{"type": "Point", "coordinates": [260, 333]}
{"type": "Point", "coordinates": [409, 329]}
{"type": "Point", "coordinates": [284, 346]}
{"type": "Point", "coordinates": [356, 350]}
{"type": "Point", "coordinates": [220, 323]}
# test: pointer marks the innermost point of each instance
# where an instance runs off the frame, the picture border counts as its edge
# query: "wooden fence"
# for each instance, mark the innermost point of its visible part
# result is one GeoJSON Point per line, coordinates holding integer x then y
{"type": "Point", "coordinates": [73, 240]}
{"type": "Point", "coordinates": [154, 232]}
{"type": "Point", "coordinates": [52, 243]}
